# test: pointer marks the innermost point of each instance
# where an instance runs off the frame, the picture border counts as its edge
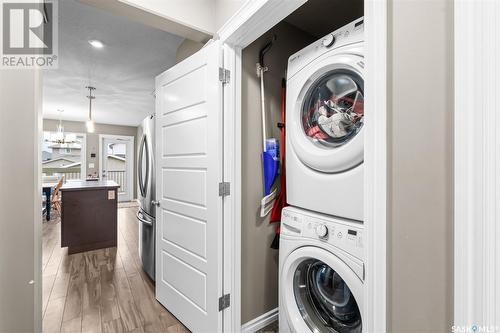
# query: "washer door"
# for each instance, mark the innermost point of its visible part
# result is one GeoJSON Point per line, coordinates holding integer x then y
{"type": "Point", "coordinates": [322, 294]}
{"type": "Point", "coordinates": [328, 115]}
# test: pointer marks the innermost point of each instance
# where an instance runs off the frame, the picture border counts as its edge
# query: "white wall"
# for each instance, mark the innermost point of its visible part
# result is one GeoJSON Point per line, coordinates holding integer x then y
{"type": "Point", "coordinates": [204, 15]}
{"type": "Point", "coordinates": [196, 20]}
{"type": "Point", "coordinates": [192, 19]}
{"type": "Point", "coordinates": [224, 9]}
{"type": "Point", "coordinates": [198, 14]}
{"type": "Point", "coordinates": [20, 201]}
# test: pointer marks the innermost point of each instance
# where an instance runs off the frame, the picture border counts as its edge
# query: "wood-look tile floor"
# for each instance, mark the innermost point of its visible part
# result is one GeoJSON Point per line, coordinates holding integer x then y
{"type": "Point", "coordinates": [100, 291]}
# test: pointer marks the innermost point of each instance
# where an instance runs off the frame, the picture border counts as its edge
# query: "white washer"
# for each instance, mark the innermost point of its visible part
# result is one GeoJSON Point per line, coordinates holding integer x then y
{"type": "Point", "coordinates": [321, 273]}
{"type": "Point", "coordinates": [324, 119]}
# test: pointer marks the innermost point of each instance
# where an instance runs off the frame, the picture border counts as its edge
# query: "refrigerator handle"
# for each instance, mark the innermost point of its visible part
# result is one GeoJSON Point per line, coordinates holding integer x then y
{"type": "Point", "coordinates": [143, 180]}
{"type": "Point", "coordinates": [142, 220]}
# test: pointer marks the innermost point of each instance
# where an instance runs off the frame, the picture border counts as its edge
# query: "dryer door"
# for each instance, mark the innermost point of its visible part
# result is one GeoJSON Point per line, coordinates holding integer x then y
{"type": "Point", "coordinates": [327, 116]}
{"type": "Point", "coordinates": [322, 294]}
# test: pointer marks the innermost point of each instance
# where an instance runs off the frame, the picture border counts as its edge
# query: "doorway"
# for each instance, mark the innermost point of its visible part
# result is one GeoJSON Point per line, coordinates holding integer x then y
{"type": "Point", "coordinates": [116, 163]}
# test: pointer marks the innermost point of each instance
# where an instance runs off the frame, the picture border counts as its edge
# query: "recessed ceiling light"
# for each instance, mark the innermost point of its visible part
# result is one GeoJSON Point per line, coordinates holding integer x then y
{"type": "Point", "coordinates": [96, 43]}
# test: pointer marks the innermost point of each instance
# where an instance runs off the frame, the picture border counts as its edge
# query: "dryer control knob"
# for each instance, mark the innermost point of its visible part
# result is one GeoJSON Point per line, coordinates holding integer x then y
{"type": "Point", "coordinates": [321, 231]}
{"type": "Point", "coordinates": [328, 40]}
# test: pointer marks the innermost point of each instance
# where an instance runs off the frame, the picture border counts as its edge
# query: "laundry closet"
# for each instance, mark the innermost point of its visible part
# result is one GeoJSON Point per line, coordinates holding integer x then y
{"type": "Point", "coordinates": [309, 23]}
{"type": "Point", "coordinates": [219, 144]}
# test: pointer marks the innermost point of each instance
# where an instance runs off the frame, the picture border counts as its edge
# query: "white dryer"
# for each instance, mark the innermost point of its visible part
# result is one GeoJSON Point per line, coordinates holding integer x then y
{"type": "Point", "coordinates": [324, 119]}
{"type": "Point", "coordinates": [321, 273]}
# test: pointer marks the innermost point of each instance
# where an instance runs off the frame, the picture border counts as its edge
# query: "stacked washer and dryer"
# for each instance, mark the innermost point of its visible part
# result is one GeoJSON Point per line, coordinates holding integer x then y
{"type": "Point", "coordinates": [321, 244]}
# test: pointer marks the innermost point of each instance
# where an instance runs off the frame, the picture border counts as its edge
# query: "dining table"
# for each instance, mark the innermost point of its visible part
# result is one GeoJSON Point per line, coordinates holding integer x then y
{"type": "Point", "coordinates": [47, 189]}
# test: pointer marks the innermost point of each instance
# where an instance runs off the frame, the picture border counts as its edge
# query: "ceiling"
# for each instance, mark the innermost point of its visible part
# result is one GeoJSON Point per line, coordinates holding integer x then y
{"type": "Point", "coordinates": [320, 17]}
{"type": "Point", "coordinates": [123, 71]}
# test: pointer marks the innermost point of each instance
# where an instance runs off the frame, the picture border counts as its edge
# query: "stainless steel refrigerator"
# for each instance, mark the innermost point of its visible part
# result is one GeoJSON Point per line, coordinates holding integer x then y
{"type": "Point", "coordinates": [146, 185]}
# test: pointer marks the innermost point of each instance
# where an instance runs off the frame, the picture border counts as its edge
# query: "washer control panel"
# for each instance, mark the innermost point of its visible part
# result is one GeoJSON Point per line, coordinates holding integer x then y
{"type": "Point", "coordinates": [344, 234]}
{"type": "Point", "coordinates": [348, 34]}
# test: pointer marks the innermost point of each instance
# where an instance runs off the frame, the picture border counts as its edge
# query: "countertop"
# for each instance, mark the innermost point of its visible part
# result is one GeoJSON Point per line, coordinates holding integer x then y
{"type": "Point", "coordinates": [77, 185]}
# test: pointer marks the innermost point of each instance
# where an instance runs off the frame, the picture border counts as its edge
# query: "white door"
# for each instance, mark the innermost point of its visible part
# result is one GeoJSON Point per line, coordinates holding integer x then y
{"type": "Point", "coordinates": [189, 169]}
{"type": "Point", "coordinates": [117, 164]}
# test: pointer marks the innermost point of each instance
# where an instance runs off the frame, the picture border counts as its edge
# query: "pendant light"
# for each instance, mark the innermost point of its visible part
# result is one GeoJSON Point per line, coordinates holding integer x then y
{"type": "Point", "coordinates": [90, 122]}
{"type": "Point", "coordinates": [59, 136]}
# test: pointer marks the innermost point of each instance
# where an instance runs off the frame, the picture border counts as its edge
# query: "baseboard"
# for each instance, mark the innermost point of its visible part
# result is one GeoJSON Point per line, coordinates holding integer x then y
{"type": "Point", "coordinates": [260, 322]}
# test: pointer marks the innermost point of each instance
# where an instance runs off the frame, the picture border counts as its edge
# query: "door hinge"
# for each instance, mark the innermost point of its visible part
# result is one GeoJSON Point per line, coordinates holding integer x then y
{"type": "Point", "coordinates": [224, 302]}
{"type": "Point", "coordinates": [224, 75]}
{"type": "Point", "coordinates": [224, 189]}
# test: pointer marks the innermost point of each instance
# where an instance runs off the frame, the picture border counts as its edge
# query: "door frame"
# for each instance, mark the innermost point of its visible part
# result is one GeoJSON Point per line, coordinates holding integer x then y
{"type": "Point", "coordinates": [253, 19]}
{"type": "Point", "coordinates": [83, 152]}
{"type": "Point", "coordinates": [476, 165]}
{"type": "Point", "coordinates": [130, 162]}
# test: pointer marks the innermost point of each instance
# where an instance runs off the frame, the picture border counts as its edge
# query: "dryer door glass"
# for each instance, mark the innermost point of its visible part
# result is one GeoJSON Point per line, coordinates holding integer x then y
{"type": "Point", "coordinates": [333, 109]}
{"type": "Point", "coordinates": [324, 299]}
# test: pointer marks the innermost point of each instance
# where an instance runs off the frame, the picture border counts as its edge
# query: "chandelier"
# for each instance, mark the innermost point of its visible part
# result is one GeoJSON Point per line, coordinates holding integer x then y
{"type": "Point", "coordinates": [59, 136]}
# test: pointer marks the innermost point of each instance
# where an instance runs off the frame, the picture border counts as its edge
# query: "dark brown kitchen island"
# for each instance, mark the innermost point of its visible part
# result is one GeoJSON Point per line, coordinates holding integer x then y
{"type": "Point", "coordinates": [89, 215]}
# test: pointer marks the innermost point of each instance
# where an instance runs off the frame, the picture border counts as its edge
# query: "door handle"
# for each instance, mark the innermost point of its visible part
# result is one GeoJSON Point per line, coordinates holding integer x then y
{"type": "Point", "coordinates": [142, 220]}
{"type": "Point", "coordinates": [155, 203]}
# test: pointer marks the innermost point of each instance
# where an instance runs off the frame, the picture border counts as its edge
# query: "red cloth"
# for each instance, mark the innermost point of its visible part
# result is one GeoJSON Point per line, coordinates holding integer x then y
{"type": "Point", "coordinates": [280, 202]}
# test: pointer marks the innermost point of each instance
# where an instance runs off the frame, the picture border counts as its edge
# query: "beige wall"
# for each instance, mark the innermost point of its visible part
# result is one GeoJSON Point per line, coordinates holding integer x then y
{"type": "Point", "coordinates": [420, 234]}
{"type": "Point", "coordinates": [186, 49]}
{"type": "Point", "coordinates": [259, 285]}
{"type": "Point", "coordinates": [20, 202]}
{"type": "Point", "coordinates": [93, 141]}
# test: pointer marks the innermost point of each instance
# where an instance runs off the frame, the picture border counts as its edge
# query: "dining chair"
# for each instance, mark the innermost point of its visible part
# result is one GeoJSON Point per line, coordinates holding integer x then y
{"type": "Point", "coordinates": [56, 196]}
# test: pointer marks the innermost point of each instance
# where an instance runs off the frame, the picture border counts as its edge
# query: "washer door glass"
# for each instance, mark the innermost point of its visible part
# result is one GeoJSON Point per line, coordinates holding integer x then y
{"type": "Point", "coordinates": [333, 109]}
{"type": "Point", "coordinates": [324, 299]}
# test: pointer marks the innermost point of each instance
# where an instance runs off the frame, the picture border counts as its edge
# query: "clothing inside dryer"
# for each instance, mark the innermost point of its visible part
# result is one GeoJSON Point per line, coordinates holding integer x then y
{"type": "Point", "coordinates": [333, 109]}
{"type": "Point", "coordinates": [324, 299]}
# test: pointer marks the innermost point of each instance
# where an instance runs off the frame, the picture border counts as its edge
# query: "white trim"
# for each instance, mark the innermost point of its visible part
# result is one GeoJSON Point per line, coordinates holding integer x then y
{"type": "Point", "coordinates": [260, 322]}
{"type": "Point", "coordinates": [477, 161]}
{"type": "Point", "coordinates": [83, 157]}
{"type": "Point", "coordinates": [375, 161]}
{"type": "Point", "coordinates": [130, 163]}
{"type": "Point", "coordinates": [232, 203]}
{"type": "Point", "coordinates": [253, 19]}
{"type": "Point", "coordinates": [37, 237]}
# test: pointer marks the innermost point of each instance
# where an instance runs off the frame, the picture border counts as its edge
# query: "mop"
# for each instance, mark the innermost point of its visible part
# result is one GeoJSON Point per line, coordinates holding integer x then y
{"type": "Point", "coordinates": [270, 153]}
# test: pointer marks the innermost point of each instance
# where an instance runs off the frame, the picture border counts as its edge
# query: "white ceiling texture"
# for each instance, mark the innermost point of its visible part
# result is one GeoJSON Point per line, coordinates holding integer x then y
{"type": "Point", "coordinates": [123, 72]}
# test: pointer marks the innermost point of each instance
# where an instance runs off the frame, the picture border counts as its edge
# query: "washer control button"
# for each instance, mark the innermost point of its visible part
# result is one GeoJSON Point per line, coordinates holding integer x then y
{"type": "Point", "coordinates": [328, 40]}
{"type": "Point", "coordinates": [321, 231]}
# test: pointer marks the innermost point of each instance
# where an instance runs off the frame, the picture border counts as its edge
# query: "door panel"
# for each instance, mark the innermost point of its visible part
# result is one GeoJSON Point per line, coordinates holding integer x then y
{"type": "Point", "coordinates": [184, 84]}
{"type": "Point", "coordinates": [186, 232]}
{"type": "Point", "coordinates": [189, 168]}
{"type": "Point", "coordinates": [193, 144]}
